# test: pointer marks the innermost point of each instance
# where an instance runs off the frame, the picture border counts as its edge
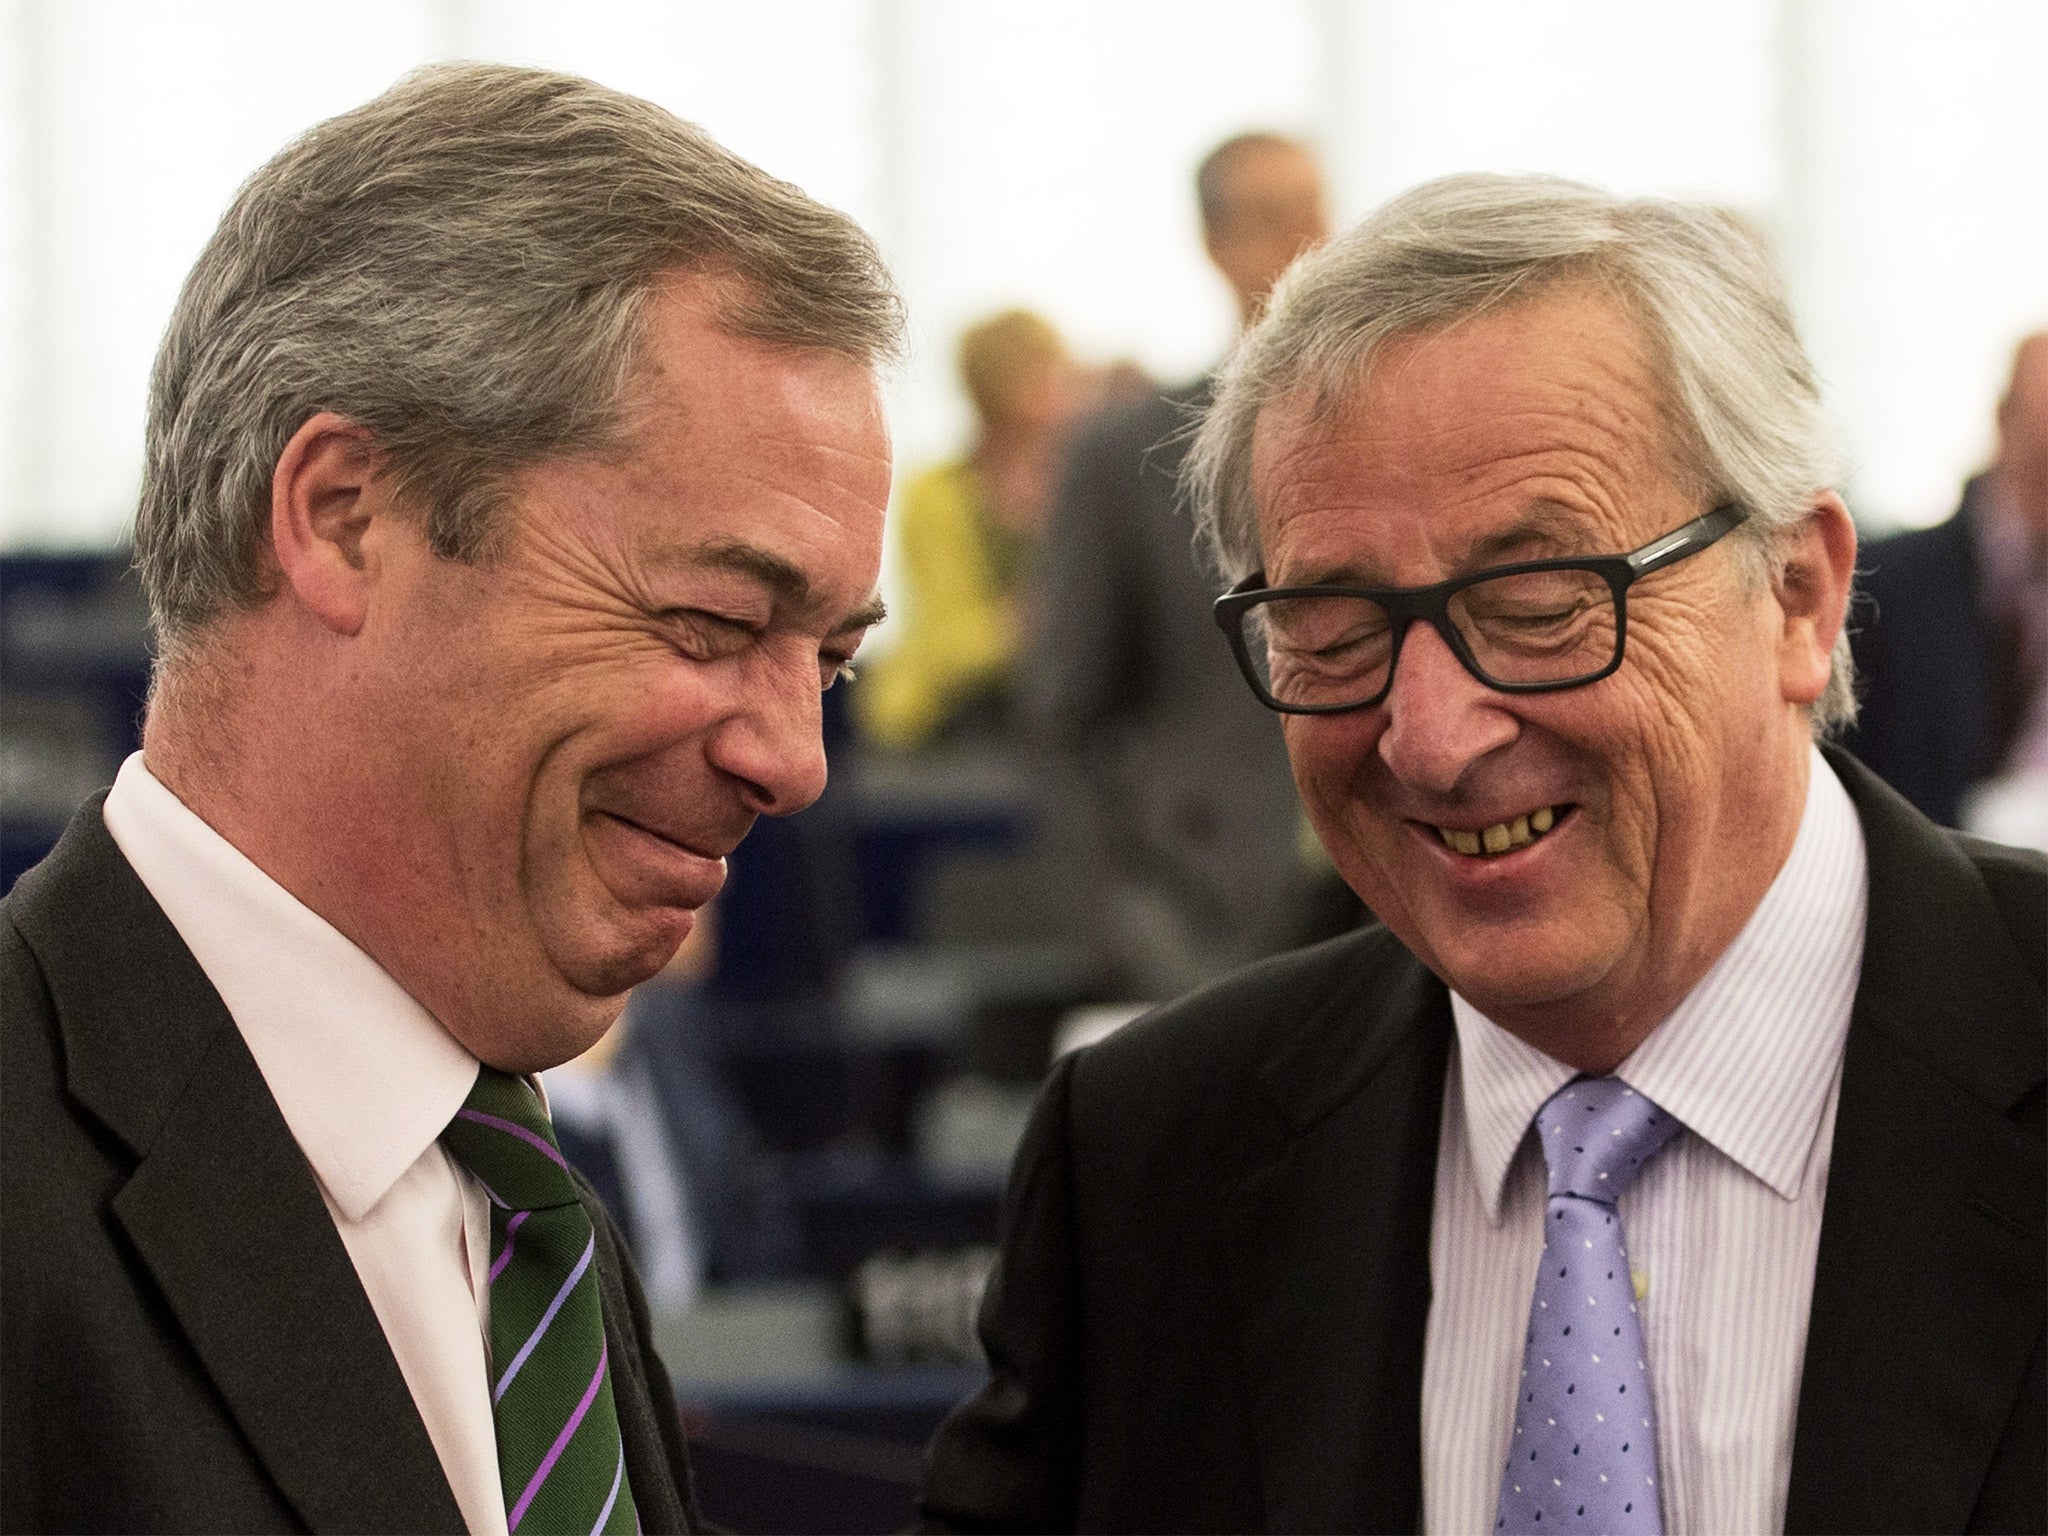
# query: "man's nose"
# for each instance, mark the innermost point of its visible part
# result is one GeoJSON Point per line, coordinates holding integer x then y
{"type": "Point", "coordinates": [1440, 718]}
{"type": "Point", "coordinates": [773, 744]}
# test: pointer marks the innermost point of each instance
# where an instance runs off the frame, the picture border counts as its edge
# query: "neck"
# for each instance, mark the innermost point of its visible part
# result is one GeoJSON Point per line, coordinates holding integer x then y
{"type": "Point", "coordinates": [251, 735]}
{"type": "Point", "coordinates": [194, 736]}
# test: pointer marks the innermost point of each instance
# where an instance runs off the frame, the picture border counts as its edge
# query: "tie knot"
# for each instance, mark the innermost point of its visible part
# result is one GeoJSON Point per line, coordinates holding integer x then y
{"type": "Point", "coordinates": [502, 1135]}
{"type": "Point", "coordinates": [1597, 1134]}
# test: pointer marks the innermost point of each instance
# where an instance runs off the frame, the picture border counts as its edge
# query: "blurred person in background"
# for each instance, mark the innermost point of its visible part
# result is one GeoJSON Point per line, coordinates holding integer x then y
{"type": "Point", "coordinates": [1953, 644]}
{"type": "Point", "coordinates": [1197, 821]}
{"type": "Point", "coordinates": [1525, 492]}
{"type": "Point", "coordinates": [515, 474]}
{"type": "Point", "coordinates": [969, 532]}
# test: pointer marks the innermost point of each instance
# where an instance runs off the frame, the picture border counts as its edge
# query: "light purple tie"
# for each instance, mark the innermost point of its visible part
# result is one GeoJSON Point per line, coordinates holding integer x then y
{"type": "Point", "coordinates": [1583, 1456]}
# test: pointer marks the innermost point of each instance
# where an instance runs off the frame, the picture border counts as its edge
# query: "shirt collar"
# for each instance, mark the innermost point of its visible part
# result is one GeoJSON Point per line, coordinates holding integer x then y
{"type": "Point", "coordinates": [1747, 1059]}
{"type": "Point", "coordinates": [365, 1077]}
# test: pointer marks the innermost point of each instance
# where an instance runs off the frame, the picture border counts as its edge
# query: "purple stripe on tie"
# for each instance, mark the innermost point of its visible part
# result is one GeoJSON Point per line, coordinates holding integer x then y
{"type": "Point", "coordinates": [547, 1317]}
{"type": "Point", "coordinates": [618, 1477]}
{"type": "Point", "coordinates": [512, 1129]}
{"type": "Point", "coordinates": [511, 1231]}
{"type": "Point", "coordinates": [547, 1465]}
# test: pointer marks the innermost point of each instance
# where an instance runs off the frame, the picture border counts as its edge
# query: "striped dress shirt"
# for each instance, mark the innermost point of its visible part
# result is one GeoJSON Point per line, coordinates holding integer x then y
{"type": "Point", "coordinates": [1722, 1228]}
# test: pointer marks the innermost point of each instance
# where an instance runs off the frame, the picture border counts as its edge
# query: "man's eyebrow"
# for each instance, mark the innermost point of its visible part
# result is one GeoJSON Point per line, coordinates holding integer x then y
{"type": "Point", "coordinates": [1554, 528]}
{"type": "Point", "coordinates": [781, 577]}
{"type": "Point", "coordinates": [866, 616]}
{"type": "Point", "coordinates": [766, 567]}
{"type": "Point", "coordinates": [1546, 523]}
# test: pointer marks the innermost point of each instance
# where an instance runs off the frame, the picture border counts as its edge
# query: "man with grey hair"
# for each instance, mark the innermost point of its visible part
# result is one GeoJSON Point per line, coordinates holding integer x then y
{"type": "Point", "coordinates": [515, 478]}
{"type": "Point", "coordinates": [1641, 1172]}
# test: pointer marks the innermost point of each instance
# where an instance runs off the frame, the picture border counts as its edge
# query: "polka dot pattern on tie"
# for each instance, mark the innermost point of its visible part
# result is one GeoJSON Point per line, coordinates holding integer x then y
{"type": "Point", "coordinates": [1583, 1454]}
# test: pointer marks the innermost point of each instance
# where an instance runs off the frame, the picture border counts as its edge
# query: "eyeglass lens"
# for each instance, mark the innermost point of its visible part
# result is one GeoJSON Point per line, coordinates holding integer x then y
{"type": "Point", "coordinates": [1533, 627]}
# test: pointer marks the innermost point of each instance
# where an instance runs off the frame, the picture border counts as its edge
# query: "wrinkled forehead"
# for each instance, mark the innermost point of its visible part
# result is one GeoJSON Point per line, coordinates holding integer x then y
{"type": "Point", "coordinates": [1567, 371]}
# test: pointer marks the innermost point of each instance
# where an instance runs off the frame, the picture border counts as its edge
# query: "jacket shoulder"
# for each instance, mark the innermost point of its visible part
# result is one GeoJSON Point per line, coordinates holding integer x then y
{"type": "Point", "coordinates": [1298, 1030]}
{"type": "Point", "coordinates": [31, 1049]}
{"type": "Point", "coordinates": [2016, 879]}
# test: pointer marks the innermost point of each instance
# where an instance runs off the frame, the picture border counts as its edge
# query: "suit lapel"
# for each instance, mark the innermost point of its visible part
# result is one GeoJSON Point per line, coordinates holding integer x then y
{"type": "Point", "coordinates": [223, 1210]}
{"type": "Point", "coordinates": [1928, 1289]}
{"type": "Point", "coordinates": [1329, 1256]}
{"type": "Point", "coordinates": [232, 1228]}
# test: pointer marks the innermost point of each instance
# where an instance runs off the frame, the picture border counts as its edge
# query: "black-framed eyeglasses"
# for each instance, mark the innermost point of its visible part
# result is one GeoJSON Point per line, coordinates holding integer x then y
{"type": "Point", "coordinates": [1531, 627]}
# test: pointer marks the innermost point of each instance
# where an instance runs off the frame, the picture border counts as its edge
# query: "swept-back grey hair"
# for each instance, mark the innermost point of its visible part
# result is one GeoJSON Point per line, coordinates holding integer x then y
{"type": "Point", "coordinates": [1699, 280]}
{"type": "Point", "coordinates": [461, 267]}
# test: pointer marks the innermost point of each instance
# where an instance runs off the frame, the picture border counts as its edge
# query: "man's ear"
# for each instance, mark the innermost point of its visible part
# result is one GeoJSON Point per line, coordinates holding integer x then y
{"type": "Point", "coordinates": [329, 502]}
{"type": "Point", "coordinates": [1818, 555]}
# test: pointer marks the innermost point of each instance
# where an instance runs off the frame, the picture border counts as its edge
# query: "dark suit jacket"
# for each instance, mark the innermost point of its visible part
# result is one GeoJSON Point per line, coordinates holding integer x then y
{"type": "Point", "coordinates": [1126, 671]}
{"type": "Point", "coordinates": [187, 1346]}
{"type": "Point", "coordinates": [1923, 649]}
{"type": "Point", "coordinates": [1210, 1307]}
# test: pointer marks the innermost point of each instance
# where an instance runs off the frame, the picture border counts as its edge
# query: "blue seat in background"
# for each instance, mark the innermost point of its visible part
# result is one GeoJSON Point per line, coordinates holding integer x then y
{"type": "Point", "coordinates": [74, 672]}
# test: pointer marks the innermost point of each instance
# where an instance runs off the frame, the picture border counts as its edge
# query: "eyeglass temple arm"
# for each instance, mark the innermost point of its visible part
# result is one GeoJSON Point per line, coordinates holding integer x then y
{"type": "Point", "coordinates": [1680, 542]}
{"type": "Point", "coordinates": [1222, 609]}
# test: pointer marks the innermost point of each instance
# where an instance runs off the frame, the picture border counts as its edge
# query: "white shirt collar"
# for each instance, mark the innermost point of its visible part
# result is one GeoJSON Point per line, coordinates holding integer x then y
{"type": "Point", "coordinates": [1747, 1059]}
{"type": "Point", "coordinates": [366, 1078]}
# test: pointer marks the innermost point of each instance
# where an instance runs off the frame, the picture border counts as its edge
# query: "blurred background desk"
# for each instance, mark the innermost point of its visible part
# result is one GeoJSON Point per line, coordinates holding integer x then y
{"type": "Point", "coordinates": [786, 1433]}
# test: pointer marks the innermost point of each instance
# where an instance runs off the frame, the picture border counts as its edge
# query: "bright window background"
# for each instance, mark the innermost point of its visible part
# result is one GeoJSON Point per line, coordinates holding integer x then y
{"type": "Point", "coordinates": [1041, 153]}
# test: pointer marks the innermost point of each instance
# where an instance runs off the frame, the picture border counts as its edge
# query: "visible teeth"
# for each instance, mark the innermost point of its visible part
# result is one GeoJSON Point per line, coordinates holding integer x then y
{"type": "Point", "coordinates": [1502, 835]}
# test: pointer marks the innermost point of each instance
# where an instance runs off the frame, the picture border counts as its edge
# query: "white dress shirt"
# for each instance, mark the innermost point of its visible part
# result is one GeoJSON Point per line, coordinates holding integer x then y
{"type": "Point", "coordinates": [1722, 1226]}
{"type": "Point", "coordinates": [366, 1080]}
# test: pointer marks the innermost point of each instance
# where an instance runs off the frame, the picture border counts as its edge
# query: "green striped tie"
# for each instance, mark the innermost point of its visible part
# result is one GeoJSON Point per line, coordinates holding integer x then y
{"type": "Point", "coordinates": [559, 1452]}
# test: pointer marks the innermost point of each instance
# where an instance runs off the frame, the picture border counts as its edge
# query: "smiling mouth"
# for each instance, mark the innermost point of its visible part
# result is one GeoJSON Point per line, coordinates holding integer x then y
{"type": "Point", "coordinates": [1503, 836]}
{"type": "Point", "coordinates": [662, 837]}
{"type": "Point", "coordinates": [656, 834]}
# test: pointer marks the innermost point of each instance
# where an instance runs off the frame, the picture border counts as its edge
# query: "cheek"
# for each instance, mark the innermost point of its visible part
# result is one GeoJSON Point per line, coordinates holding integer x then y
{"type": "Point", "coordinates": [1667, 695]}
{"type": "Point", "coordinates": [672, 698]}
{"type": "Point", "coordinates": [644, 701]}
{"type": "Point", "coordinates": [1309, 754]}
{"type": "Point", "coordinates": [1332, 756]}
{"type": "Point", "coordinates": [1666, 732]}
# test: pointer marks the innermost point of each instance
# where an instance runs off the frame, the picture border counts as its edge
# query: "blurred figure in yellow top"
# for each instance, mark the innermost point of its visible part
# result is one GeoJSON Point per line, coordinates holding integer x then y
{"type": "Point", "coordinates": [969, 534]}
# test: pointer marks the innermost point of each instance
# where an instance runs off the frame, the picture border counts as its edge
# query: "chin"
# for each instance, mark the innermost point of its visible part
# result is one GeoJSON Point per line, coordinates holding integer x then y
{"type": "Point", "coordinates": [1523, 959]}
{"type": "Point", "coordinates": [610, 955]}
{"type": "Point", "coordinates": [532, 1035]}
{"type": "Point", "coordinates": [1496, 985]}
{"type": "Point", "coordinates": [608, 978]}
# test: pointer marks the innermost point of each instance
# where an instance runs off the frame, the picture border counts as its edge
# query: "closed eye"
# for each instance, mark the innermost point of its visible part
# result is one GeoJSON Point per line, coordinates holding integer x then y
{"type": "Point", "coordinates": [702, 635]}
{"type": "Point", "coordinates": [1375, 636]}
{"type": "Point", "coordinates": [1533, 620]}
{"type": "Point", "coordinates": [836, 663]}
